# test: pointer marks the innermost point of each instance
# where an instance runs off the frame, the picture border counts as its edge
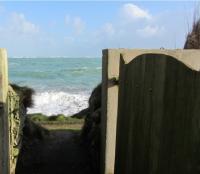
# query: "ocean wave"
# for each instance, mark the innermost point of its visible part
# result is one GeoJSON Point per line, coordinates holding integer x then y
{"type": "Point", "coordinates": [78, 69]}
{"type": "Point", "coordinates": [81, 70]}
{"type": "Point", "coordinates": [52, 103]}
{"type": "Point", "coordinates": [99, 68]}
{"type": "Point", "coordinates": [13, 64]}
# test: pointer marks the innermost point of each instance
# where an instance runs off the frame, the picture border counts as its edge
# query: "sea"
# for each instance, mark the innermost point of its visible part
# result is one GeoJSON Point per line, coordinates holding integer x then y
{"type": "Point", "coordinates": [62, 85]}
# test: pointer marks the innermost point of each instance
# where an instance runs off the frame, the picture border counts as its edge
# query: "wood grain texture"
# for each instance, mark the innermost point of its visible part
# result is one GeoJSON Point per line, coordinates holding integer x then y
{"type": "Point", "coordinates": [158, 130]}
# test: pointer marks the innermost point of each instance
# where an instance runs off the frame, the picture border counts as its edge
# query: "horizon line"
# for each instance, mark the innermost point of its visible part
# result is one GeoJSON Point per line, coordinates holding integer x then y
{"type": "Point", "coordinates": [47, 57]}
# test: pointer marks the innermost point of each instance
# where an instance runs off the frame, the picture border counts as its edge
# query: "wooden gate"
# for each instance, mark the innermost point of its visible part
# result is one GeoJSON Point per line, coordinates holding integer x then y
{"type": "Point", "coordinates": [158, 127]}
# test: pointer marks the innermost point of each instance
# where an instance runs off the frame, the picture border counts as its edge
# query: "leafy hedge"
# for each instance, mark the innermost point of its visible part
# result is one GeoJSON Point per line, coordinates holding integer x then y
{"type": "Point", "coordinates": [54, 119]}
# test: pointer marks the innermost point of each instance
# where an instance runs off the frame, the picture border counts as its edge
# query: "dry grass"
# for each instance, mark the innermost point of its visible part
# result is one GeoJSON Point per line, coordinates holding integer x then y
{"type": "Point", "coordinates": [61, 126]}
{"type": "Point", "coordinates": [193, 37]}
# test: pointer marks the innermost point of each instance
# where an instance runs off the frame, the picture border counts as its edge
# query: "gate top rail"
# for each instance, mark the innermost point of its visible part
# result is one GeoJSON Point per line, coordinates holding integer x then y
{"type": "Point", "coordinates": [189, 57]}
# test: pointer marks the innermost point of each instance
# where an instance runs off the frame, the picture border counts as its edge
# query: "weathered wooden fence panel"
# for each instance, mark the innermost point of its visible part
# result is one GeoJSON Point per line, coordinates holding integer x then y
{"type": "Point", "coordinates": [4, 135]}
{"type": "Point", "coordinates": [12, 114]}
{"type": "Point", "coordinates": [158, 128]}
{"type": "Point", "coordinates": [16, 116]}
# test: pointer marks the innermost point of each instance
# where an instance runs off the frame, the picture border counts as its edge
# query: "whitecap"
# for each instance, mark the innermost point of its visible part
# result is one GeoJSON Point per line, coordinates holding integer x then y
{"type": "Point", "coordinates": [52, 103]}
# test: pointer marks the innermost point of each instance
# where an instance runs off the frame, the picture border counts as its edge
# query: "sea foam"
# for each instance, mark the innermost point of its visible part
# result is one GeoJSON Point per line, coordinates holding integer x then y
{"type": "Point", "coordinates": [52, 103]}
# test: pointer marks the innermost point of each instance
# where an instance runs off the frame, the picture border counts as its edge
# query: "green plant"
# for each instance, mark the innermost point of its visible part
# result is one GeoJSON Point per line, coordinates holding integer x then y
{"type": "Point", "coordinates": [60, 118]}
{"type": "Point", "coordinates": [38, 117]}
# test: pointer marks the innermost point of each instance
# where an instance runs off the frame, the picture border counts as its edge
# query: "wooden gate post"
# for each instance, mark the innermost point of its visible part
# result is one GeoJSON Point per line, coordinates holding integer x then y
{"type": "Point", "coordinates": [4, 137]}
{"type": "Point", "coordinates": [109, 110]}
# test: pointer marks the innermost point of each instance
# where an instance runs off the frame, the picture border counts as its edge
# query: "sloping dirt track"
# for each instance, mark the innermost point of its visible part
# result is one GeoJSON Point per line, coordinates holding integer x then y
{"type": "Point", "coordinates": [61, 152]}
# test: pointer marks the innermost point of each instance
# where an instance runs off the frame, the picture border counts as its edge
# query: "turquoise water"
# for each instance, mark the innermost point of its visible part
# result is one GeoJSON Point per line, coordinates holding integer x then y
{"type": "Point", "coordinates": [62, 85]}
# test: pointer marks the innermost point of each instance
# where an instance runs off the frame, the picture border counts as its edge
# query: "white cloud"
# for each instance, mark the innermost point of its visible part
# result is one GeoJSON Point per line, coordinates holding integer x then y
{"type": "Point", "coordinates": [108, 29]}
{"type": "Point", "coordinates": [105, 32]}
{"type": "Point", "coordinates": [69, 39]}
{"type": "Point", "coordinates": [67, 19]}
{"type": "Point", "coordinates": [2, 9]}
{"type": "Point", "coordinates": [78, 25]}
{"type": "Point", "coordinates": [133, 12]}
{"type": "Point", "coordinates": [150, 31]}
{"type": "Point", "coordinates": [21, 25]}
{"type": "Point", "coordinates": [131, 26]}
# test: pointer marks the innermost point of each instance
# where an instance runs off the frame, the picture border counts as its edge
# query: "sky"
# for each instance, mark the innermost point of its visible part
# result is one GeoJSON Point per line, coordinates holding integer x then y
{"type": "Point", "coordinates": [84, 28]}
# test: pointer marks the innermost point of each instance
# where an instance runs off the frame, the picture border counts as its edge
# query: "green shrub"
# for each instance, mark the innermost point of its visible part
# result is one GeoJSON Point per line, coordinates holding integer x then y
{"type": "Point", "coordinates": [52, 118]}
{"type": "Point", "coordinates": [60, 118]}
{"type": "Point", "coordinates": [38, 117]}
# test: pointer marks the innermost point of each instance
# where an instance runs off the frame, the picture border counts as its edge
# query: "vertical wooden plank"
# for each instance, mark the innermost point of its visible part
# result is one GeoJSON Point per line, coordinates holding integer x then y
{"type": "Point", "coordinates": [4, 144]}
{"type": "Point", "coordinates": [109, 109]}
{"type": "Point", "coordinates": [121, 122]}
{"type": "Point", "coordinates": [104, 109]}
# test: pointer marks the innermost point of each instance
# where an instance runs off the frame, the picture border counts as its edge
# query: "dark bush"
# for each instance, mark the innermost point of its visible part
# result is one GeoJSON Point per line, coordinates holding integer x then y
{"type": "Point", "coordinates": [25, 93]}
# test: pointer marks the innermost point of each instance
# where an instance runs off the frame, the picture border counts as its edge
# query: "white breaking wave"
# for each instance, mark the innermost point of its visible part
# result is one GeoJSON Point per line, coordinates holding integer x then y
{"type": "Point", "coordinates": [52, 103]}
